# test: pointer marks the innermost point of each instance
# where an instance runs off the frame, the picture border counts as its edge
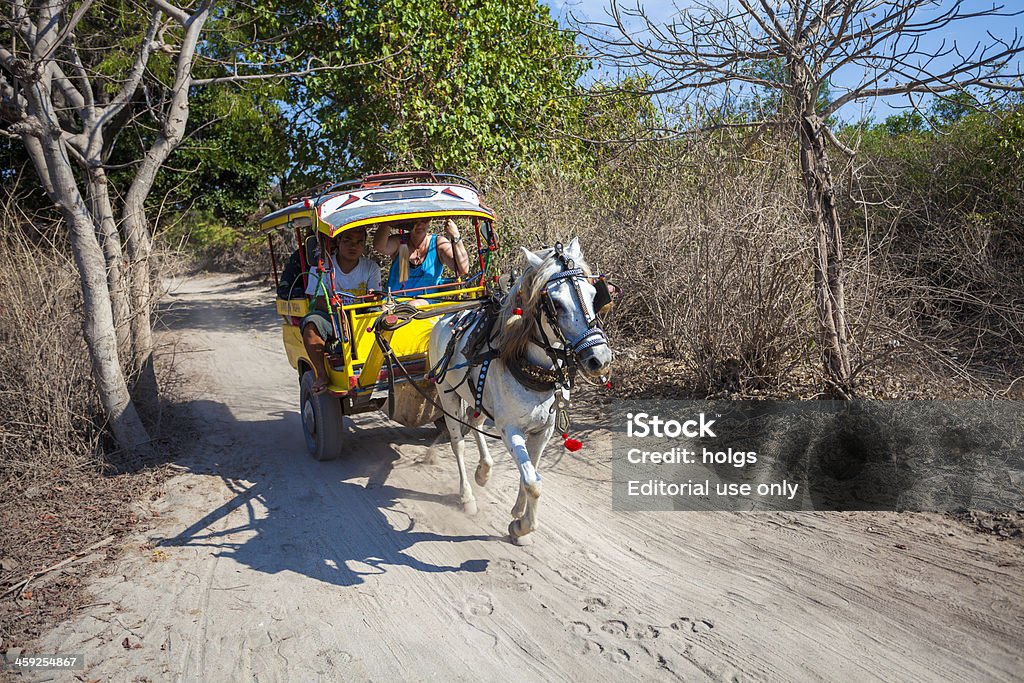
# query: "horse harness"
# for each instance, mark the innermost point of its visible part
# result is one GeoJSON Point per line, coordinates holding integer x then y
{"type": "Point", "coordinates": [478, 350]}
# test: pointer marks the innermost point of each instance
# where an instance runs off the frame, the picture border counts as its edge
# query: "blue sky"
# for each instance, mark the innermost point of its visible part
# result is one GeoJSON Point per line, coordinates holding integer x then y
{"type": "Point", "coordinates": [965, 33]}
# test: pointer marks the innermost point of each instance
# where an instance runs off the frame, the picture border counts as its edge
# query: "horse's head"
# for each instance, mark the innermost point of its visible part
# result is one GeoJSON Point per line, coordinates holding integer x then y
{"type": "Point", "coordinates": [559, 296]}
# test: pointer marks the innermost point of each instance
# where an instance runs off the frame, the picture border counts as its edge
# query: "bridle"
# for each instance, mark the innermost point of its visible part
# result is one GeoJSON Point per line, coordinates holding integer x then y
{"type": "Point", "coordinates": [565, 352]}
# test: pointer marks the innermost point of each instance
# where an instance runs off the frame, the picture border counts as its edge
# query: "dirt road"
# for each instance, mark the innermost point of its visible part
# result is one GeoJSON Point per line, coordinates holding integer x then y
{"type": "Point", "coordinates": [261, 564]}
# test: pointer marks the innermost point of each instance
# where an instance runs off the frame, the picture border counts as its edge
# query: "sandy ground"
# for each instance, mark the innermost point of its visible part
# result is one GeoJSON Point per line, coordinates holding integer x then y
{"type": "Point", "coordinates": [261, 564]}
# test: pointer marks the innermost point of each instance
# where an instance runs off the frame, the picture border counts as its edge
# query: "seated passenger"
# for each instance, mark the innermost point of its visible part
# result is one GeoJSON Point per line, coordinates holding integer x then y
{"type": "Point", "coordinates": [423, 254]}
{"type": "Point", "coordinates": [352, 274]}
{"type": "Point", "coordinates": [290, 284]}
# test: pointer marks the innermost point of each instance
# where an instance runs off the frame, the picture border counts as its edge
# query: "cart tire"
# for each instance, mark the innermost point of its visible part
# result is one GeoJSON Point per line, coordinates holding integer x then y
{"type": "Point", "coordinates": [321, 418]}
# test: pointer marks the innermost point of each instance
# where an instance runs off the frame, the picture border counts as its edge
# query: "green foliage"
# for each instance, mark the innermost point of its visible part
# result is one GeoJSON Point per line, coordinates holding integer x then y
{"type": "Point", "coordinates": [620, 152]}
{"type": "Point", "coordinates": [953, 156]}
{"type": "Point", "coordinates": [237, 142]}
{"type": "Point", "coordinates": [457, 85]}
{"type": "Point", "coordinates": [204, 232]}
{"type": "Point", "coordinates": [615, 116]}
{"type": "Point", "coordinates": [904, 124]}
{"type": "Point", "coordinates": [211, 243]}
{"type": "Point", "coordinates": [949, 109]}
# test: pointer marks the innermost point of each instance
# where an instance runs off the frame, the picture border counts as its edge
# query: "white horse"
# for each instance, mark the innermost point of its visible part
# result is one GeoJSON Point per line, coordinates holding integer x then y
{"type": "Point", "coordinates": [545, 331]}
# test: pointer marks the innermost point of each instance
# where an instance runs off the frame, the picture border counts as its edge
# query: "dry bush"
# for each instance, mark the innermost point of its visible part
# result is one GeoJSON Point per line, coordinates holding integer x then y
{"type": "Point", "coordinates": [713, 250]}
{"type": "Point", "coordinates": [57, 499]}
{"type": "Point", "coordinates": [712, 255]}
{"type": "Point", "coordinates": [48, 406]}
{"type": "Point", "coordinates": [942, 226]}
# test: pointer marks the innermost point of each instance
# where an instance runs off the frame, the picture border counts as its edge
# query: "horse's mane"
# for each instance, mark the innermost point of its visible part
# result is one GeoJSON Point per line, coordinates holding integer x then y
{"type": "Point", "coordinates": [513, 337]}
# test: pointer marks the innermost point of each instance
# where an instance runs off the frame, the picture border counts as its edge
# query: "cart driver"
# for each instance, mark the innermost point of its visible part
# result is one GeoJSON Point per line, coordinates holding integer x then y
{"type": "Point", "coordinates": [352, 274]}
{"type": "Point", "coordinates": [424, 253]}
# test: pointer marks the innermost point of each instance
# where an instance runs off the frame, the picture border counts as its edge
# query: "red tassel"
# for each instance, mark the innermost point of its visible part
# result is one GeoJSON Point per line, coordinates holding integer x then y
{"type": "Point", "coordinates": [573, 445]}
{"type": "Point", "coordinates": [607, 385]}
{"type": "Point", "coordinates": [517, 311]}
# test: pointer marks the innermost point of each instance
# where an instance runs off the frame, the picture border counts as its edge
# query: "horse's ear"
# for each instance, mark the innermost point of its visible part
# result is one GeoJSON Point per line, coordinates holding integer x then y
{"type": "Point", "coordinates": [531, 258]}
{"type": "Point", "coordinates": [573, 250]}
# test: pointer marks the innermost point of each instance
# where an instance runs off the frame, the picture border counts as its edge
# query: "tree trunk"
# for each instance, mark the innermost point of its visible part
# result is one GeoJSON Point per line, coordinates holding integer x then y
{"type": "Point", "coordinates": [828, 253]}
{"type": "Point", "coordinates": [41, 90]}
{"type": "Point", "coordinates": [98, 321]}
{"type": "Point", "coordinates": [110, 239]}
{"type": "Point", "coordinates": [140, 249]}
{"type": "Point", "coordinates": [139, 241]}
{"type": "Point", "coordinates": [43, 137]}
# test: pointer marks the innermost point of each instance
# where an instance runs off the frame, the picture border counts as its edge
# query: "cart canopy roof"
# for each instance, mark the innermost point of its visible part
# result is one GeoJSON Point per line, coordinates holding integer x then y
{"type": "Point", "coordinates": [381, 199]}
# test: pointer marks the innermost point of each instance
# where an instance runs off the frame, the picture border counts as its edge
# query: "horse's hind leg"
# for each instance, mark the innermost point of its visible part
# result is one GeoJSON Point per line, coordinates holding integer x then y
{"type": "Point", "coordinates": [483, 467]}
{"type": "Point", "coordinates": [453, 406]}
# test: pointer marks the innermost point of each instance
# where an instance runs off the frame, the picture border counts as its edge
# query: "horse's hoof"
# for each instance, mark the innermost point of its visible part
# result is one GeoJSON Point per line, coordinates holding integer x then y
{"type": "Point", "coordinates": [482, 475]}
{"type": "Point", "coordinates": [513, 530]}
{"type": "Point", "coordinates": [469, 507]}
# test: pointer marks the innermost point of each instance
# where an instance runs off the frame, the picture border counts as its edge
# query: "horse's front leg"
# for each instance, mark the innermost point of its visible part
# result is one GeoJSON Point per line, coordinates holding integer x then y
{"type": "Point", "coordinates": [519, 509]}
{"type": "Point", "coordinates": [527, 450]}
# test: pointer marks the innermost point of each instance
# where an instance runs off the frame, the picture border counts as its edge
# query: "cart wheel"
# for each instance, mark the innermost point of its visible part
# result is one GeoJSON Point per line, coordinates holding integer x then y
{"type": "Point", "coordinates": [321, 420]}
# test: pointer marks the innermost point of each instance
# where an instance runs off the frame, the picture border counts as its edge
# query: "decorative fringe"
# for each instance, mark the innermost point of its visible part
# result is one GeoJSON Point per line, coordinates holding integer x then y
{"type": "Point", "coordinates": [403, 263]}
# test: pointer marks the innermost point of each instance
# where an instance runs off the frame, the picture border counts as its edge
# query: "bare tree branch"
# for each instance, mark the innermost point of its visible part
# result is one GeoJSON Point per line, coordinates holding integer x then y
{"type": "Point", "coordinates": [131, 84]}
{"type": "Point", "coordinates": [176, 13]}
{"type": "Point", "coordinates": [69, 26]}
{"type": "Point", "coordinates": [795, 50]}
{"type": "Point", "coordinates": [290, 74]}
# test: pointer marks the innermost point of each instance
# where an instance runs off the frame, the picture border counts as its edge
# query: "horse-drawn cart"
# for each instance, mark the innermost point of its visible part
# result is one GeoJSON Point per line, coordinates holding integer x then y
{"type": "Point", "coordinates": [380, 338]}
{"type": "Point", "coordinates": [513, 360]}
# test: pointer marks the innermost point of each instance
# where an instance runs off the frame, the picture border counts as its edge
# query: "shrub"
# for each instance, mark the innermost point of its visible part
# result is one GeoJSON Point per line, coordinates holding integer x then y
{"type": "Point", "coordinates": [48, 405]}
{"type": "Point", "coordinates": [712, 257]}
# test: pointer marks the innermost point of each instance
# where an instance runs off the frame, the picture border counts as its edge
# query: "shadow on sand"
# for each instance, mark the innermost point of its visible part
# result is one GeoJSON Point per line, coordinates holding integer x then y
{"type": "Point", "coordinates": [337, 522]}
